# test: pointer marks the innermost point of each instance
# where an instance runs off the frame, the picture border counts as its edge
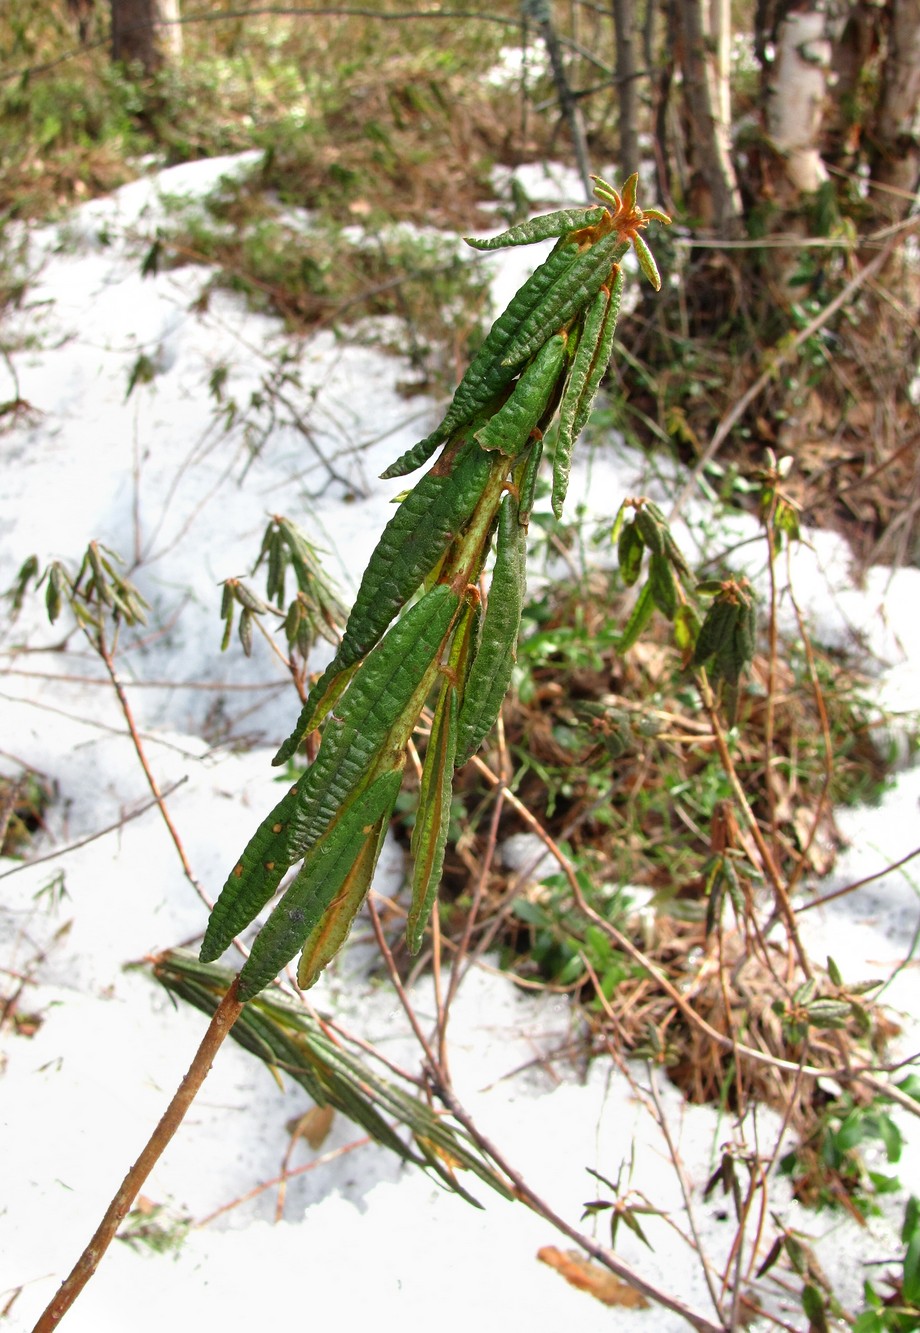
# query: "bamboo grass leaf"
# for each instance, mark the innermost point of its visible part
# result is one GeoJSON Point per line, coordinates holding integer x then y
{"type": "Point", "coordinates": [287, 1038]}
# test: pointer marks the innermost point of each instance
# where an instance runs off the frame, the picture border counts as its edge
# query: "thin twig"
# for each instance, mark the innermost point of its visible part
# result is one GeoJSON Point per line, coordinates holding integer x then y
{"type": "Point", "coordinates": [543, 1209]}
{"type": "Point", "coordinates": [781, 355]}
{"type": "Point", "coordinates": [858, 883]}
{"type": "Point", "coordinates": [152, 783]}
{"type": "Point", "coordinates": [818, 694]}
{"type": "Point", "coordinates": [623, 942]}
{"type": "Point", "coordinates": [91, 837]}
{"type": "Point", "coordinates": [322, 1160]}
{"type": "Point", "coordinates": [684, 1189]}
{"type": "Point", "coordinates": [225, 1016]}
{"type": "Point", "coordinates": [769, 865]}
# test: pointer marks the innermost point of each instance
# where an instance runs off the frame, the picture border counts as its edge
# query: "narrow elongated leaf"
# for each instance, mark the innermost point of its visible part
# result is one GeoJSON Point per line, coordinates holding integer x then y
{"type": "Point", "coordinates": [641, 615]}
{"type": "Point", "coordinates": [587, 371]}
{"type": "Point", "coordinates": [487, 375]}
{"type": "Point", "coordinates": [568, 296]}
{"type": "Point", "coordinates": [541, 228]}
{"type": "Point", "coordinates": [328, 868]}
{"type": "Point", "coordinates": [331, 930]}
{"type": "Point", "coordinates": [253, 879]}
{"type": "Point", "coordinates": [390, 683]}
{"type": "Point", "coordinates": [429, 836]}
{"type": "Point", "coordinates": [288, 1037]}
{"type": "Point", "coordinates": [490, 672]}
{"type": "Point", "coordinates": [630, 552]}
{"type": "Point", "coordinates": [432, 515]}
{"type": "Point", "coordinates": [511, 427]}
{"type": "Point", "coordinates": [375, 718]}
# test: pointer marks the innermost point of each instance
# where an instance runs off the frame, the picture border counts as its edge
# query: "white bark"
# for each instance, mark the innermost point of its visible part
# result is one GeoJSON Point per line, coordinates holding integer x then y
{"type": "Point", "coordinates": [796, 99]}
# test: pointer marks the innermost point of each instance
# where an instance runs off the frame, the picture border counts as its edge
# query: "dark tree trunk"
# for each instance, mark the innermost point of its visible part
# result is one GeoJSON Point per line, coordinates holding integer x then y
{"type": "Point", "coordinates": [145, 32]}
{"type": "Point", "coordinates": [627, 73]}
{"type": "Point", "coordinates": [894, 154]}
{"type": "Point", "coordinates": [701, 32]}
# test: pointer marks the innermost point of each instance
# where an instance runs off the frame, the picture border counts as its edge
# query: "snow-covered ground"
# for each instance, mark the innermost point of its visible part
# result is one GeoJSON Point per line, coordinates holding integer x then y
{"type": "Point", "coordinates": [154, 475]}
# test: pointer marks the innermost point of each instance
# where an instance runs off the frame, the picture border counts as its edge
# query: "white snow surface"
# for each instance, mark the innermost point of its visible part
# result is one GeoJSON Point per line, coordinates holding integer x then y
{"type": "Point", "coordinates": [155, 476]}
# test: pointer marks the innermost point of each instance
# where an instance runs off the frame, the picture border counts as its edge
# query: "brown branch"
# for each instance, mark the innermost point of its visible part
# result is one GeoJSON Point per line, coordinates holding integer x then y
{"type": "Point", "coordinates": [859, 883]}
{"type": "Point", "coordinates": [109, 663]}
{"type": "Point", "coordinates": [226, 1014]}
{"type": "Point", "coordinates": [543, 1209]}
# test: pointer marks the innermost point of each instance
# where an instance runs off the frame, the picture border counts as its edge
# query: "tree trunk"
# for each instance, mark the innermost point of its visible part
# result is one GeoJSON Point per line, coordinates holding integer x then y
{"type": "Point", "coordinates": [796, 97]}
{"type": "Point", "coordinates": [627, 72]}
{"type": "Point", "coordinates": [146, 32]}
{"type": "Point", "coordinates": [894, 155]}
{"type": "Point", "coordinates": [856, 47]}
{"type": "Point", "coordinates": [540, 11]}
{"type": "Point", "coordinates": [703, 31]}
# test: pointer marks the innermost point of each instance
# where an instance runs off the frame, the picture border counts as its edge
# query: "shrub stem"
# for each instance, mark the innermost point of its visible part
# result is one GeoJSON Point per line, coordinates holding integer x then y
{"type": "Point", "coordinates": [226, 1014]}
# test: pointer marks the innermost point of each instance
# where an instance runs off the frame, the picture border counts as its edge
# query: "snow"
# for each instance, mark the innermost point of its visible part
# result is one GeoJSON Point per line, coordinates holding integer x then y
{"type": "Point", "coordinates": [155, 475]}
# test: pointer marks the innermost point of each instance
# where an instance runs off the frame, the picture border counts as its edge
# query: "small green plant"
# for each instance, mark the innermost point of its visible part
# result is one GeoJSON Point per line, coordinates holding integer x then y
{"type": "Point", "coordinates": [829, 1169]}
{"type": "Point", "coordinates": [315, 611]}
{"type": "Point", "coordinates": [549, 348]}
{"type": "Point", "coordinates": [898, 1311]}
{"type": "Point", "coordinates": [417, 628]}
{"type": "Point", "coordinates": [563, 949]}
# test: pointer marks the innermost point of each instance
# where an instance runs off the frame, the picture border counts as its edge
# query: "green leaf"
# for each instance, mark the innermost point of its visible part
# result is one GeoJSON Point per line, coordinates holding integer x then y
{"type": "Point", "coordinates": [346, 854]}
{"type": "Point", "coordinates": [641, 615]}
{"type": "Point", "coordinates": [487, 375]}
{"type": "Point", "coordinates": [496, 649]}
{"type": "Point", "coordinates": [630, 550]}
{"type": "Point", "coordinates": [910, 1282]}
{"type": "Point", "coordinates": [541, 229]}
{"type": "Point", "coordinates": [814, 1308]}
{"type": "Point", "coordinates": [510, 428]}
{"type": "Point", "coordinates": [664, 589]}
{"type": "Point", "coordinates": [631, 1220]}
{"type": "Point", "coordinates": [429, 835]}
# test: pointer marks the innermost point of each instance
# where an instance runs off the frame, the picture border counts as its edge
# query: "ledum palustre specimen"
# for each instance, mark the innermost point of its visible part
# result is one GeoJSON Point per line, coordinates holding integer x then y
{"type": "Point", "coordinates": [546, 353]}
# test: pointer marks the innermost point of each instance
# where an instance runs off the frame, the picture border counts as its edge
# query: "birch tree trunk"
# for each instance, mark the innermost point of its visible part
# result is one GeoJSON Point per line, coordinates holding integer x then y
{"type": "Point", "coordinates": [796, 97]}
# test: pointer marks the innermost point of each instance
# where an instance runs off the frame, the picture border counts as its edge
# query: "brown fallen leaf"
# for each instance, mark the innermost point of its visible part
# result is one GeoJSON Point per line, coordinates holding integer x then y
{"type": "Point", "coordinates": [313, 1126]}
{"type": "Point", "coordinates": [599, 1282]}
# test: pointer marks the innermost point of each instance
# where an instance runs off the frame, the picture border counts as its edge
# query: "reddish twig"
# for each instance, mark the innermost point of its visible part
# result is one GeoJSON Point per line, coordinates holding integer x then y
{"type": "Point", "coordinates": [226, 1014]}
